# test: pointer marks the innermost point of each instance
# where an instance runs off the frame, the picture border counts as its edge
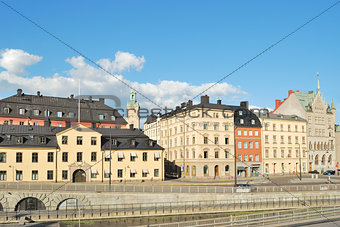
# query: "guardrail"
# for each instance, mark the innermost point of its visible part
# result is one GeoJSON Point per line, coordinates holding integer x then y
{"type": "Point", "coordinates": [171, 208]}
{"type": "Point", "coordinates": [265, 219]}
{"type": "Point", "coordinates": [98, 187]}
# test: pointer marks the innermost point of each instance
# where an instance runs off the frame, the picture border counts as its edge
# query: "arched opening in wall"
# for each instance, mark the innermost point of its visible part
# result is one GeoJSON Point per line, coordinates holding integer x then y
{"type": "Point", "coordinates": [227, 171]}
{"type": "Point", "coordinates": [69, 203]}
{"type": "Point", "coordinates": [206, 171]}
{"type": "Point", "coordinates": [193, 171]}
{"type": "Point", "coordinates": [79, 176]}
{"type": "Point", "coordinates": [323, 160]}
{"type": "Point", "coordinates": [187, 172]}
{"type": "Point", "coordinates": [30, 203]}
{"type": "Point", "coordinates": [330, 159]}
{"type": "Point", "coordinates": [1, 207]}
{"type": "Point", "coordinates": [316, 160]}
{"type": "Point", "coordinates": [216, 171]}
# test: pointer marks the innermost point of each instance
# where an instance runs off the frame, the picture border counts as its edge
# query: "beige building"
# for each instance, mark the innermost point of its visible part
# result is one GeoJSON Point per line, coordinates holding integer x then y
{"type": "Point", "coordinates": [284, 144]}
{"type": "Point", "coordinates": [320, 126]}
{"type": "Point", "coordinates": [78, 154]}
{"type": "Point", "coordinates": [337, 149]}
{"type": "Point", "coordinates": [197, 138]}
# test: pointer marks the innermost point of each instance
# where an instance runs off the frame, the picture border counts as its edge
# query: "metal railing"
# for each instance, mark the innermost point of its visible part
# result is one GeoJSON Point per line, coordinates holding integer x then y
{"type": "Point", "coordinates": [167, 208]}
{"type": "Point", "coordinates": [265, 219]}
{"type": "Point", "coordinates": [99, 187]}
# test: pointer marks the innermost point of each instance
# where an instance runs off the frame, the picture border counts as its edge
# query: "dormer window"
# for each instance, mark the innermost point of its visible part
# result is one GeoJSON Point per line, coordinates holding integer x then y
{"type": "Point", "coordinates": [21, 111]}
{"type": "Point", "coordinates": [8, 137]}
{"type": "Point", "coordinates": [20, 140]}
{"type": "Point", "coordinates": [59, 114]}
{"type": "Point", "coordinates": [71, 115]}
{"type": "Point", "coordinates": [42, 140]}
{"type": "Point", "coordinates": [114, 142]}
{"type": "Point", "coordinates": [253, 122]}
{"type": "Point", "coordinates": [101, 117]}
{"type": "Point", "coordinates": [47, 113]}
{"type": "Point", "coordinates": [36, 112]}
{"type": "Point", "coordinates": [240, 112]}
{"type": "Point", "coordinates": [151, 143]}
{"type": "Point", "coordinates": [133, 142]}
{"type": "Point", "coordinates": [113, 118]}
{"type": "Point", "coordinates": [241, 121]}
{"type": "Point", "coordinates": [6, 110]}
{"type": "Point", "coordinates": [30, 137]}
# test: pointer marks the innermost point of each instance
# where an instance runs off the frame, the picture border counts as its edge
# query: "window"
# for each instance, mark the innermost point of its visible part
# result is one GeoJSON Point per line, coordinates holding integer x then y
{"type": "Point", "coordinates": [240, 113]}
{"type": "Point", "coordinates": [71, 115]}
{"type": "Point", "coordinates": [107, 173]}
{"type": "Point", "coordinates": [132, 156]}
{"type": "Point", "coordinates": [250, 133]}
{"type": "Point", "coordinates": [206, 170]}
{"type": "Point", "coordinates": [296, 139]}
{"type": "Point", "coordinates": [34, 174]}
{"type": "Point", "coordinates": [3, 157]}
{"type": "Point", "coordinates": [8, 137]}
{"type": "Point", "coordinates": [205, 154]}
{"type": "Point", "coordinates": [257, 158]}
{"type": "Point", "coordinates": [226, 127]}
{"type": "Point", "coordinates": [239, 133]}
{"type": "Point", "coordinates": [18, 175]}
{"type": "Point", "coordinates": [6, 110]}
{"type": "Point", "coordinates": [5, 122]}
{"type": "Point", "coordinates": [21, 111]}
{"type": "Point", "coordinates": [288, 128]}
{"type": "Point", "coordinates": [241, 121]}
{"type": "Point", "coordinates": [64, 174]}
{"type": "Point", "coordinates": [227, 169]}
{"type": "Point", "coordinates": [3, 175]}
{"type": "Point", "coordinates": [64, 139]}
{"type": "Point", "coordinates": [256, 133]}
{"type": "Point", "coordinates": [101, 117]}
{"type": "Point", "coordinates": [256, 145]}
{"type": "Point", "coordinates": [205, 140]}
{"type": "Point", "coordinates": [205, 126]}
{"type": "Point", "coordinates": [274, 139]}
{"type": "Point", "coordinates": [120, 156]}
{"type": "Point", "coordinates": [226, 140]}
{"type": "Point", "coordinates": [245, 145]}
{"type": "Point", "coordinates": [216, 140]}
{"type": "Point", "coordinates": [226, 154]}
{"type": "Point", "coordinates": [253, 122]}
{"type": "Point", "coordinates": [215, 127]}
{"type": "Point", "coordinates": [93, 156]}
{"type": "Point", "coordinates": [239, 158]}
{"type": "Point", "coordinates": [79, 140]}
{"type": "Point", "coordinates": [245, 158]}
{"type": "Point", "coordinates": [156, 173]}
{"type": "Point", "coordinates": [93, 140]}
{"type": "Point", "coordinates": [35, 157]}
{"type": "Point", "coordinates": [42, 140]}
{"type": "Point", "coordinates": [35, 123]}
{"type": "Point", "coordinates": [20, 140]}
{"type": "Point", "coordinates": [274, 154]}
{"type": "Point", "coordinates": [50, 157]}
{"type": "Point", "coordinates": [144, 173]}
{"type": "Point", "coordinates": [239, 145]}
{"type": "Point", "coordinates": [49, 174]}
{"type": "Point", "coordinates": [245, 133]}
{"type": "Point", "coordinates": [193, 140]}
{"type": "Point", "coordinates": [251, 145]}
{"type": "Point", "coordinates": [267, 154]}
{"type": "Point", "coordinates": [113, 118]}
{"type": "Point", "coordinates": [274, 127]}
{"type": "Point", "coordinates": [19, 157]}
{"type": "Point", "coordinates": [266, 139]}
{"type": "Point", "coordinates": [36, 112]}
{"type": "Point", "coordinates": [216, 154]}
{"type": "Point", "coordinates": [251, 158]}
{"type": "Point", "coordinates": [21, 123]}
{"type": "Point", "coordinates": [145, 156]}
{"type": "Point", "coordinates": [282, 139]}
{"type": "Point", "coordinates": [79, 156]}
{"type": "Point", "coordinates": [47, 113]}
{"type": "Point", "coordinates": [282, 153]}
{"type": "Point", "coordinates": [65, 157]}
{"type": "Point", "coordinates": [120, 173]}
{"type": "Point", "coordinates": [59, 114]}
{"type": "Point", "coordinates": [289, 139]}
{"type": "Point", "coordinates": [114, 142]}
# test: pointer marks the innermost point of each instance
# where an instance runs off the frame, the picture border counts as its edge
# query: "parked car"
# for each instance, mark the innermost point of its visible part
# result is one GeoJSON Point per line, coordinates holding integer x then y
{"type": "Point", "coordinates": [314, 172]}
{"type": "Point", "coordinates": [332, 172]}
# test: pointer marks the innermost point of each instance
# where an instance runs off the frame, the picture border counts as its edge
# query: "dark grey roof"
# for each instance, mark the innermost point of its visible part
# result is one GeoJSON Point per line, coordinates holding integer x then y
{"type": "Point", "coordinates": [30, 136]}
{"type": "Point", "coordinates": [152, 118]}
{"type": "Point", "coordinates": [280, 116]}
{"type": "Point", "coordinates": [247, 116]}
{"type": "Point", "coordinates": [90, 109]}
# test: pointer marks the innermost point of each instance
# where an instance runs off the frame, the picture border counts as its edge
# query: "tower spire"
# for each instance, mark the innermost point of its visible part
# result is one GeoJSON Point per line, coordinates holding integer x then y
{"type": "Point", "coordinates": [332, 105]}
{"type": "Point", "coordinates": [317, 74]}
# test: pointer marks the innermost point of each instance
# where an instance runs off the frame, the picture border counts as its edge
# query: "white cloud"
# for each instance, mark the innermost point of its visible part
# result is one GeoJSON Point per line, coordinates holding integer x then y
{"type": "Point", "coordinates": [95, 81]}
{"type": "Point", "coordinates": [15, 60]}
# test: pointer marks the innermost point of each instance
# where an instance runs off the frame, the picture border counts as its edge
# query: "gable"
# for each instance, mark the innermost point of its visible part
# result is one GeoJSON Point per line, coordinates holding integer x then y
{"type": "Point", "coordinates": [292, 106]}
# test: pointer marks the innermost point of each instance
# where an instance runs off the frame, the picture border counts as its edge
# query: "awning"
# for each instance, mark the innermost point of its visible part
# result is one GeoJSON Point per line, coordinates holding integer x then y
{"type": "Point", "coordinates": [107, 171]}
{"type": "Point", "coordinates": [120, 155]}
{"type": "Point", "coordinates": [107, 154]}
{"type": "Point", "coordinates": [241, 168]}
{"type": "Point", "coordinates": [133, 171]}
{"type": "Point", "coordinates": [157, 155]}
{"type": "Point", "coordinates": [94, 171]}
{"type": "Point", "coordinates": [133, 154]}
{"type": "Point", "coordinates": [145, 170]}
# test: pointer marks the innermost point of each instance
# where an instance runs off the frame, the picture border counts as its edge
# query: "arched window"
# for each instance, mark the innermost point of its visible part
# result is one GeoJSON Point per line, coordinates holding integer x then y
{"type": "Point", "coordinates": [316, 160]}
{"type": "Point", "coordinates": [330, 159]}
{"type": "Point", "coordinates": [323, 160]}
{"type": "Point", "coordinates": [193, 171]}
{"type": "Point", "coordinates": [205, 170]}
{"type": "Point", "coordinates": [187, 172]}
{"type": "Point", "coordinates": [227, 170]}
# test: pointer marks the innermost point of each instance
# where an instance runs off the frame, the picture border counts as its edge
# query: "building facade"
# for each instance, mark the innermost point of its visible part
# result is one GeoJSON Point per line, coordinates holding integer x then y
{"type": "Point", "coordinates": [248, 142]}
{"type": "Point", "coordinates": [78, 154]}
{"type": "Point", "coordinates": [24, 109]}
{"type": "Point", "coordinates": [320, 126]}
{"type": "Point", "coordinates": [284, 144]}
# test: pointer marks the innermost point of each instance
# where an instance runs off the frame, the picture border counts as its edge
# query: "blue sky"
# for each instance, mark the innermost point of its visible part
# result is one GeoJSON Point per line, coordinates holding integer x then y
{"type": "Point", "coordinates": [192, 42]}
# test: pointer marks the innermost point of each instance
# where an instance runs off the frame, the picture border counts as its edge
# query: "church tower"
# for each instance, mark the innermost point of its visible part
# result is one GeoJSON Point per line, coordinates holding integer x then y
{"type": "Point", "coordinates": [132, 111]}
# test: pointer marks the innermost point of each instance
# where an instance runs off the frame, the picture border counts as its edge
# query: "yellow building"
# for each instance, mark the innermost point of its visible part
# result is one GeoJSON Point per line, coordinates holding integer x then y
{"type": "Point", "coordinates": [78, 154]}
{"type": "Point", "coordinates": [284, 144]}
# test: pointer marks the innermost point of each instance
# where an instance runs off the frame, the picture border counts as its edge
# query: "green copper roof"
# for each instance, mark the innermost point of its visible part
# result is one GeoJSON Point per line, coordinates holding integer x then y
{"type": "Point", "coordinates": [305, 98]}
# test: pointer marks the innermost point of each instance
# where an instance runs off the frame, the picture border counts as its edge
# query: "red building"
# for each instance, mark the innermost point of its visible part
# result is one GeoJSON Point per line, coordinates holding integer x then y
{"type": "Point", "coordinates": [247, 142]}
{"type": "Point", "coordinates": [23, 109]}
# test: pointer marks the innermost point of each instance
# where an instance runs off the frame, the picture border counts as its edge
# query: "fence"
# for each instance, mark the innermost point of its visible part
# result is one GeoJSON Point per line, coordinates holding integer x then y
{"type": "Point", "coordinates": [95, 187]}
{"type": "Point", "coordinates": [265, 219]}
{"type": "Point", "coordinates": [170, 208]}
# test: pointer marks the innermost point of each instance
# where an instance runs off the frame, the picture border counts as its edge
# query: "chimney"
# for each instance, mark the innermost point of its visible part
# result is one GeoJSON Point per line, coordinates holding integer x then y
{"type": "Point", "coordinates": [72, 96]}
{"type": "Point", "coordinates": [219, 101]}
{"type": "Point", "coordinates": [182, 104]}
{"type": "Point", "coordinates": [19, 92]}
{"type": "Point", "coordinates": [101, 100]}
{"type": "Point", "coordinates": [38, 93]}
{"type": "Point", "coordinates": [244, 104]}
{"type": "Point", "coordinates": [47, 122]}
{"type": "Point", "coordinates": [290, 92]}
{"type": "Point", "coordinates": [131, 126]}
{"type": "Point", "coordinates": [189, 103]}
{"type": "Point", "coordinates": [277, 103]}
{"type": "Point", "coordinates": [205, 99]}
{"type": "Point", "coordinates": [177, 107]}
